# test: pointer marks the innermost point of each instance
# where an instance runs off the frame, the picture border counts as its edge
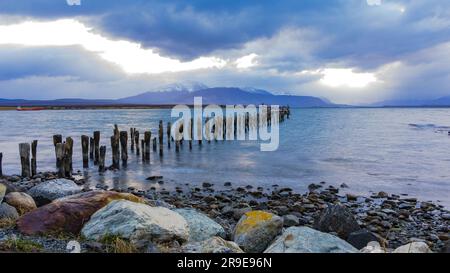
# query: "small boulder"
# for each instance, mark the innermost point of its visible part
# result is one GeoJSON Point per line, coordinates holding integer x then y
{"type": "Point", "coordinates": [290, 220]}
{"type": "Point", "coordinates": [373, 247]}
{"type": "Point", "coordinates": [212, 245]}
{"type": "Point", "coordinates": [21, 201]}
{"type": "Point", "coordinates": [338, 219]}
{"type": "Point", "coordinates": [135, 222]}
{"type": "Point", "coordinates": [8, 212]}
{"type": "Point", "coordinates": [70, 213]}
{"type": "Point", "coordinates": [307, 240]}
{"type": "Point", "coordinates": [361, 238]}
{"type": "Point", "coordinates": [414, 247]}
{"type": "Point", "coordinates": [201, 227]}
{"type": "Point", "coordinates": [2, 192]}
{"type": "Point", "coordinates": [256, 229]}
{"type": "Point", "coordinates": [48, 191]}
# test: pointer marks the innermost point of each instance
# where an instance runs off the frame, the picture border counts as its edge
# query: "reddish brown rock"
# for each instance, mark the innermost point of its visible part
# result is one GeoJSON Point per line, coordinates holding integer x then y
{"type": "Point", "coordinates": [68, 215]}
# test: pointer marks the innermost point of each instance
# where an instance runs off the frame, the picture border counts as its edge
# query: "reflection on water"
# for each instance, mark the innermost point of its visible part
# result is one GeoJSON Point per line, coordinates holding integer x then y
{"type": "Point", "coordinates": [396, 150]}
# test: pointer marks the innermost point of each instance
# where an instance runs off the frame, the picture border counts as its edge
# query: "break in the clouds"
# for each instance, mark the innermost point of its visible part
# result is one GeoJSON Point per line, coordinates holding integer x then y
{"type": "Point", "coordinates": [350, 51]}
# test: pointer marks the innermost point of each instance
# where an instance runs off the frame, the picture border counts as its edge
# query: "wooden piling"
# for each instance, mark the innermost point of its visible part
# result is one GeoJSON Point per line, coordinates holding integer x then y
{"type": "Point", "coordinates": [115, 152]}
{"type": "Point", "coordinates": [124, 147]}
{"type": "Point", "coordinates": [56, 140]}
{"type": "Point", "coordinates": [85, 150]}
{"type": "Point", "coordinates": [132, 131]}
{"type": "Point", "coordinates": [101, 159]}
{"type": "Point", "coordinates": [59, 149]}
{"type": "Point", "coordinates": [96, 147]}
{"type": "Point", "coordinates": [69, 148]}
{"type": "Point", "coordinates": [24, 151]}
{"type": "Point", "coordinates": [191, 132]}
{"type": "Point", "coordinates": [34, 157]}
{"type": "Point", "coordinates": [67, 157]}
{"type": "Point", "coordinates": [143, 149]}
{"type": "Point", "coordinates": [169, 138]}
{"type": "Point", "coordinates": [147, 140]}
{"type": "Point", "coordinates": [91, 148]}
{"type": "Point", "coordinates": [161, 137]}
{"type": "Point", "coordinates": [1, 170]}
{"type": "Point", "coordinates": [136, 142]}
{"type": "Point", "coordinates": [154, 144]}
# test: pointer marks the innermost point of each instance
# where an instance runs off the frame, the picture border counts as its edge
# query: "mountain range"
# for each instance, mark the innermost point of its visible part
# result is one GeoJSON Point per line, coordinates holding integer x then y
{"type": "Point", "coordinates": [180, 94]}
{"type": "Point", "coordinates": [184, 94]}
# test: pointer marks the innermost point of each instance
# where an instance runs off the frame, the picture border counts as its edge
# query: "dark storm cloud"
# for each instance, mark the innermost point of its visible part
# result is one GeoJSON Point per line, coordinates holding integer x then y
{"type": "Point", "coordinates": [400, 41]}
{"type": "Point", "coordinates": [74, 62]}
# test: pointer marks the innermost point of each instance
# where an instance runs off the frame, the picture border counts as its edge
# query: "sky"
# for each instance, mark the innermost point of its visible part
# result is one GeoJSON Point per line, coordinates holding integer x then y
{"type": "Point", "coordinates": [348, 51]}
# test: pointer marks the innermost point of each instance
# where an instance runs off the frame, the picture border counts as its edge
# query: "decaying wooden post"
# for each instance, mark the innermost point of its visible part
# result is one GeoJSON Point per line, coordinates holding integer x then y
{"type": "Point", "coordinates": [96, 146]}
{"type": "Point", "coordinates": [177, 145]}
{"type": "Point", "coordinates": [161, 137]}
{"type": "Point", "coordinates": [101, 159]}
{"type": "Point", "coordinates": [67, 157]}
{"type": "Point", "coordinates": [154, 144]}
{"type": "Point", "coordinates": [124, 147]}
{"type": "Point", "coordinates": [115, 152]}
{"type": "Point", "coordinates": [24, 150]}
{"type": "Point", "coordinates": [169, 127]}
{"type": "Point", "coordinates": [69, 148]}
{"type": "Point", "coordinates": [136, 141]}
{"type": "Point", "coordinates": [147, 139]}
{"type": "Point", "coordinates": [143, 149]}
{"type": "Point", "coordinates": [1, 158]}
{"type": "Point", "coordinates": [85, 150]}
{"type": "Point", "coordinates": [34, 157]}
{"type": "Point", "coordinates": [132, 131]}
{"type": "Point", "coordinates": [191, 132]}
{"type": "Point", "coordinates": [57, 139]}
{"type": "Point", "coordinates": [91, 148]}
{"type": "Point", "coordinates": [59, 148]}
{"type": "Point", "coordinates": [199, 132]}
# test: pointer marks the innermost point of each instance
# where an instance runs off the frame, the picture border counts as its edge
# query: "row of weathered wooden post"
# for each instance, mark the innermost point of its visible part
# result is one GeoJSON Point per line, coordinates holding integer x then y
{"type": "Point", "coordinates": [91, 149]}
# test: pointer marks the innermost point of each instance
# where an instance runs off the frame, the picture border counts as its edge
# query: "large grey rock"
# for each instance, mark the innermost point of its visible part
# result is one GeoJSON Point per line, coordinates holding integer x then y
{"type": "Point", "coordinates": [212, 245]}
{"type": "Point", "coordinates": [48, 191]}
{"type": "Point", "coordinates": [201, 227]}
{"type": "Point", "coordinates": [414, 247]}
{"type": "Point", "coordinates": [307, 240]}
{"type": "Point", "coordinates": [136, 222]}
{"type": "Point", "coordinates": [8, 212]}
{"type": "Point", "coordinates": [256, 230]}
{"type": "Point", "coordinates": [338, 219]}
{"type": "Point", "coordinates": [2, 192]}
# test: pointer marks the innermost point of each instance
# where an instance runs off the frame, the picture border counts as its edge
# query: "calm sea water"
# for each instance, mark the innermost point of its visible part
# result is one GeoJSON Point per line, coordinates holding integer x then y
{"type": "Point", "coordinates": [402, 151]}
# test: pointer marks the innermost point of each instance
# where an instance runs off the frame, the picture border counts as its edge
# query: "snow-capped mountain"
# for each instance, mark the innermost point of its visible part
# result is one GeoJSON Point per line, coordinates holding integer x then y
{"type": "Point", "coordinates": [189, 86]}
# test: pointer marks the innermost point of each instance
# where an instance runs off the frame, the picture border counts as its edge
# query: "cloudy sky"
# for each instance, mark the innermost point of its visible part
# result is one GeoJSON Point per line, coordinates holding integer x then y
{"type": "Point", "coordinates": [349, 51]}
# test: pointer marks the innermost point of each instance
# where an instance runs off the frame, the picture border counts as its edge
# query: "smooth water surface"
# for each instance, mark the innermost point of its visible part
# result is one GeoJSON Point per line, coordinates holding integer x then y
{"type": "Point", "coordinates": [398, 150]}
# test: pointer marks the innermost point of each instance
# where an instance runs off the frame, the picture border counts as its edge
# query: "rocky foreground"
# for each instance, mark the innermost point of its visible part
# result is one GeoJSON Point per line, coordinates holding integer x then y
{"type": "Point", "coordinates": [46, 214]}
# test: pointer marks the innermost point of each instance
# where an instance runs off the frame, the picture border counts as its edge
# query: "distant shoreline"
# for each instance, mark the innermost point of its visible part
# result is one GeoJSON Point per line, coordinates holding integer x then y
{"type": "Point", "coordinates": [169, 106]}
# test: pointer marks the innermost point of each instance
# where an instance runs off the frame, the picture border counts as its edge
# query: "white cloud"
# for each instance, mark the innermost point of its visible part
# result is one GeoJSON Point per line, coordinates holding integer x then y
{"type": "Point", "coordinates": [131, 57]}
{"type": "Point", "coordinates": [374, 2]}
{"type": "Point", "coordinates": [341, 77]}
{"type": "Point", "coordinates": [247, 61]}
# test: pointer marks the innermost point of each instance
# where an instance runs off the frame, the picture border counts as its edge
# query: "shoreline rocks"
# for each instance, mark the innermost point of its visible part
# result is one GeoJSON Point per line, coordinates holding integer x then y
{"type": "Point", "coordinates": [21, 201]}
{"type": "Point", "coordinates": [68, 214]}
{"type": "Point", "coordinates": [256, 229]}
{"type": "Point", "coordinates": [133, 221]}
{"type": "Point", "coordinates": [307, 240]}
{"type": "Point", "coordinates": [201, 227]}
{"type": "Point", "coordinates": [338, 219]}
{"type": "Point", "coordinates": [50, 190]}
